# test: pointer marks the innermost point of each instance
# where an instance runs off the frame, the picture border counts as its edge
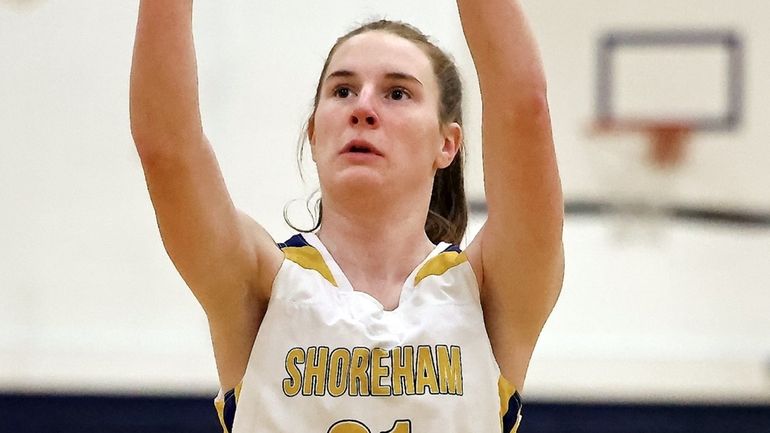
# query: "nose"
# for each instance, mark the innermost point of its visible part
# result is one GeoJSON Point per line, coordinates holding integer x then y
{"type": "Point", "coordinates": [363, 114]}
{"type": "Point", "coordinates": [370, 119]}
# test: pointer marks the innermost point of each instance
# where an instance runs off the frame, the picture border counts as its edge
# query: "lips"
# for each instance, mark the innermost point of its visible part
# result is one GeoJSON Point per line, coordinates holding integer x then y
{"type": "Point", "coordinates": [360, 146]}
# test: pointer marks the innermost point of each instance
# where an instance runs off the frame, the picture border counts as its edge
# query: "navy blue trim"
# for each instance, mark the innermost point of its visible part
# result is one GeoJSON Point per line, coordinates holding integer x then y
{"type": "Point", "coordinates": [510, 417]}
{"type": "Point", "coordinates": [298, 240]}
{"type": "Point", "coordinates": [295, 241]}
{"type": "Point", "coordinates": [229, 410]}
{"type": "Point", "coordinates": [453, 248]}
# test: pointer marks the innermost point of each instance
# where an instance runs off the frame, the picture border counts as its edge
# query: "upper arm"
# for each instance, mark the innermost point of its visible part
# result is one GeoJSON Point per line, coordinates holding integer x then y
{"type": "Point", "coordinates": [218, 250]}
{"type": "Point", "coordinates": [226, 258]}
{"type": "Point", "coordinates": [517, 296]}
{"type": "Point", "coordinates": [518, 255]}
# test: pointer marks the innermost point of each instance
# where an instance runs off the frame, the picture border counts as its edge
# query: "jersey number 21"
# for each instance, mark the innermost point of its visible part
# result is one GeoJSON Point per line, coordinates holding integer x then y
{"type": "Point", "coordinates": [349, 426]}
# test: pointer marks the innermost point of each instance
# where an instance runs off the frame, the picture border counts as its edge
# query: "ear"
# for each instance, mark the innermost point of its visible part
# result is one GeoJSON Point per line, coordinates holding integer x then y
{"type": "Point", "coordinates": [453, 139]}
{"type": "Point", "coordinates": [311, 136]}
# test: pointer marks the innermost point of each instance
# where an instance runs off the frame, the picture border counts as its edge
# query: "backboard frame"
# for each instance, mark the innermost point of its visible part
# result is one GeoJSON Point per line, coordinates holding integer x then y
{"type": "Point", "coordinates": [613, 41]}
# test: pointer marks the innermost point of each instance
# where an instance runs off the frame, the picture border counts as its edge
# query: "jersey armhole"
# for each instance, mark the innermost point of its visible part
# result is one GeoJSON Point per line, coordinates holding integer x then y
{"type": "Point", "coordinates": [510, 406]}
{"type": "Point", "coordinates": [226, 403]}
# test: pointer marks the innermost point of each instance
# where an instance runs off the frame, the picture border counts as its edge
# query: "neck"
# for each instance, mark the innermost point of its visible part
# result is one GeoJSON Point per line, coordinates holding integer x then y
{"type": "Point", "coordinates": [388, 224]}
{"type": "Point", "coordinates": [376, 239]}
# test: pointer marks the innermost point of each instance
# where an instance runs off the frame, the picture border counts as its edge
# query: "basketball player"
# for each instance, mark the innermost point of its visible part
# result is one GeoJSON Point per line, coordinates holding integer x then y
{"type": "Point", "coordinates": [376, 321]}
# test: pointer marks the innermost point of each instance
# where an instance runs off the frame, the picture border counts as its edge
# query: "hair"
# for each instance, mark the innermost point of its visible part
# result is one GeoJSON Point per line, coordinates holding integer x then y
{"type": "Point", "coordinates": [447, 217]}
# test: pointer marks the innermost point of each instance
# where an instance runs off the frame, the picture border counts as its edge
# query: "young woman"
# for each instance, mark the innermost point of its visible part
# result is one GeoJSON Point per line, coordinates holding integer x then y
{"type": "Point", "coordinates": [376, 322]}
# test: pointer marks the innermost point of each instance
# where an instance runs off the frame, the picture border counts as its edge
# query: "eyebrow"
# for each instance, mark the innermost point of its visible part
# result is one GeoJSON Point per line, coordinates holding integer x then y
{"type": "Point", "coordinates": [390, 75]}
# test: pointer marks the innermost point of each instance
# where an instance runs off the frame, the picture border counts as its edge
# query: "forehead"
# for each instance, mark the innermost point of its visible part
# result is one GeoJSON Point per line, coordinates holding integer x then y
{"type": "Point", "coordinates": [379, 52]}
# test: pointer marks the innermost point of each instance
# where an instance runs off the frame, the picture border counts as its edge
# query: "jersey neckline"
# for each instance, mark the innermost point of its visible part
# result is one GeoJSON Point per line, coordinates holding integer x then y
{"type": "Point", "coordinates": [344, 284]}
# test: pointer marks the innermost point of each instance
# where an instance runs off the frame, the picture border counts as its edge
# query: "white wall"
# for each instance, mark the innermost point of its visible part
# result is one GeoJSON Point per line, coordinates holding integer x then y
{"type": "Point", "coordinates": [89, 301]}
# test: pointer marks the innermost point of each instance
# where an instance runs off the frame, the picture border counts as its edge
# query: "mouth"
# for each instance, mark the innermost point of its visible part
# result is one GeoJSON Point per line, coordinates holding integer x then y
{"type": "Point", "coordinates": [360, 146]}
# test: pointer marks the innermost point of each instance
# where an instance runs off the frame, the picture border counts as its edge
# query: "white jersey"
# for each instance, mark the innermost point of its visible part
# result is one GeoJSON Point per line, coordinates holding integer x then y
{"type": "Point", "coordinates": [328, 359]}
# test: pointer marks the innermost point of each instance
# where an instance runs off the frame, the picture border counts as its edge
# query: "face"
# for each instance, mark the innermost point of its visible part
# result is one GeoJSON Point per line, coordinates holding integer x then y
{"type": "Point", "coordinates": [377, 123]}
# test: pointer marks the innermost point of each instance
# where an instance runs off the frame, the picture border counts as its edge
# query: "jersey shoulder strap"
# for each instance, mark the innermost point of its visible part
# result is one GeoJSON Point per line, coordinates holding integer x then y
{"type": "Point", "coordinates": [299, 251]}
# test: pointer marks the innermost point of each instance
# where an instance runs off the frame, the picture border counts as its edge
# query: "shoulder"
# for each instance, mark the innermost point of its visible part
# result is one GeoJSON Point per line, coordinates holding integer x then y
{"type": "Point", "coordinates": [520, 281]}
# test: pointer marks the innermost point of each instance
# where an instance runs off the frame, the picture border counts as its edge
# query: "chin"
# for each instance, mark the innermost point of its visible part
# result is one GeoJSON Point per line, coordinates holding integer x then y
{"type": "Point", "coordinates": [360, 180]}
{"type": "Point", "coordinates": [363, 178]}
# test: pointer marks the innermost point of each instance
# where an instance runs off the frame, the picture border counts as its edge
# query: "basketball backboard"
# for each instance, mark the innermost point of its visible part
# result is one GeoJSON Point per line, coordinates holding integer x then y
{"type": "Point", "coordinates": [646, 76]}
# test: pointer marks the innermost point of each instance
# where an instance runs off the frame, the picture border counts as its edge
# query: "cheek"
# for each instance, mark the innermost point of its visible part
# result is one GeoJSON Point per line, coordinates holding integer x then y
{"type": "Point", "coordinates": [324, 125]}
{"type": "Point", "coordinates": [320, 120]}
{"type": "Point", "coordinates": [328, 112]}
{"type": "Point", "coordinates": [426, 134]}
{"type": "Point", "coordinates": [422, 148]}
{"type": "Point", "coordinates": [419, 123]}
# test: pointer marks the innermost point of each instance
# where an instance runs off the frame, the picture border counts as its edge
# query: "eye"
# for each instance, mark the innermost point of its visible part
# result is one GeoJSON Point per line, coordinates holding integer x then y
{"type": "Point", "coordinates": [342, 92]}
{"type": "Point", "coordinates": [398, 94]}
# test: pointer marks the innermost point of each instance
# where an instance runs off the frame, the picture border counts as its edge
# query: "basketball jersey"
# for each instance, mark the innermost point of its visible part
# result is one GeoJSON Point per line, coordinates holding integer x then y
{"type": "Point", "coordinates": [328, 359]}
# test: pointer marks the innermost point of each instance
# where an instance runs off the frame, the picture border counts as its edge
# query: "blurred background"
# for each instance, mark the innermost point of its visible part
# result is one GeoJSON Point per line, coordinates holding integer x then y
{"type": "Point", "coordinates": [664, 321]}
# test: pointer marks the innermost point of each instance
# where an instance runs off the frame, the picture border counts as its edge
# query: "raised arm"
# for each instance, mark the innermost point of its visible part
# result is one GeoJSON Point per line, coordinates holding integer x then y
{"type": "Point", "coordinates": [226, 259]}
{"type": "Point", "coordinates": [518, 255]}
